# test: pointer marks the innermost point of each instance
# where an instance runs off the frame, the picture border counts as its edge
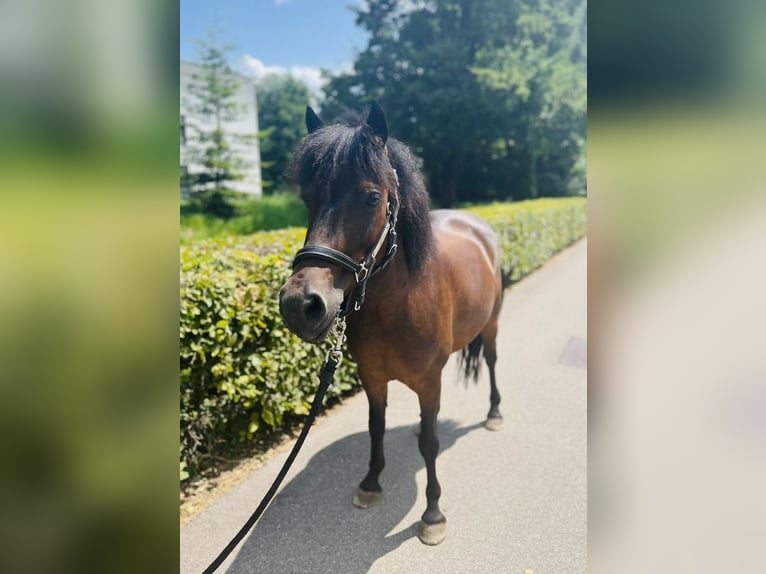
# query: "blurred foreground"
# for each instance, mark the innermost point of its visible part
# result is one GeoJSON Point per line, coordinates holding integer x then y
{"type": "Point", "coordinates": [677, 398]}
{"type": "Point", "coordinates": [677, 273]}
{"type": "Point", "coordinates": [88, 287]}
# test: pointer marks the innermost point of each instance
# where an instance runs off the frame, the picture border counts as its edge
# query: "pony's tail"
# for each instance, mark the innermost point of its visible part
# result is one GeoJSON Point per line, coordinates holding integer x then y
{"type": "Point", "coordinates": [470, 362]}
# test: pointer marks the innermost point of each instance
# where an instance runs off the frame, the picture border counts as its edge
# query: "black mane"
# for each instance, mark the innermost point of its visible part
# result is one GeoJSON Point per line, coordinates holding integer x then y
{"type": "Point", "coordinates": [323, 158]}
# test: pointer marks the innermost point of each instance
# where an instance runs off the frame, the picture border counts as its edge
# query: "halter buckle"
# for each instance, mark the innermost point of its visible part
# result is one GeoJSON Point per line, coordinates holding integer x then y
{"type": "Point", "coordinates": [361, 275]}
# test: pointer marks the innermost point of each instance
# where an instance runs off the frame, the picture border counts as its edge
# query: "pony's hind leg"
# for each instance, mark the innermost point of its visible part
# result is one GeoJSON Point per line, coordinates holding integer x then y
{"type": "Point", "coordinates": [489, 336]}
{"type": "Point", "coordinates": [433, 526]}
{"type": "Point", "coordinates": [370, 492]}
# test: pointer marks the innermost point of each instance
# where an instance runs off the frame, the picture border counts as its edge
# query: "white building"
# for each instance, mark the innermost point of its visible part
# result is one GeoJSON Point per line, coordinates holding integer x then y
{"type": "Point", "coordinates": [245, 125]}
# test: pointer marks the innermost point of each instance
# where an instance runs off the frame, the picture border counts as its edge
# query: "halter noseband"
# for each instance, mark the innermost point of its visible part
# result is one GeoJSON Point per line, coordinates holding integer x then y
{"type": "Point", "coordinates": [363, 271]}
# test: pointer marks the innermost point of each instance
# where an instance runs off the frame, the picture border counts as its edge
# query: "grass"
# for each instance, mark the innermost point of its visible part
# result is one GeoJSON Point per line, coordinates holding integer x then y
{"type": "Point", "coordinates": [269, 212]}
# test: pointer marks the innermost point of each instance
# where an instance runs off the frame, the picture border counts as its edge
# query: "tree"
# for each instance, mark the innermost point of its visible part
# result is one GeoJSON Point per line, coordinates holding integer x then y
{"type": "Point", "coordinates": [282, 102]}
{"type": "Point", "coordinates": [541, 74]}
{"type": "Point", "coordinates": [213, 104]}
{"type": "Point", "coordinates": [490, 93]}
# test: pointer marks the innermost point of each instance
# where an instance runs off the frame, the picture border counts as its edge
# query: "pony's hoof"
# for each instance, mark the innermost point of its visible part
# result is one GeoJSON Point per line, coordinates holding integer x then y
{"type": "Point", "coordinates": [365, 499]}
{"type": "Point", "coordinates": [494, 423]}
{"type": "Point", "coordinates": [432, 534]}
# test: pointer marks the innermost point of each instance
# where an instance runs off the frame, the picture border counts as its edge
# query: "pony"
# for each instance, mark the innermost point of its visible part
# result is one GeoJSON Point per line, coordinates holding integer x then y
{"type": "Point", "coordinates": [413, 285]}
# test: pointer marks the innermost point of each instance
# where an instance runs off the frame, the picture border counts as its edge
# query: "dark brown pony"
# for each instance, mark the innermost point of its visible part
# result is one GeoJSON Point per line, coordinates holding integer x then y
{"type": "Point", "coordinates": [432, 280]}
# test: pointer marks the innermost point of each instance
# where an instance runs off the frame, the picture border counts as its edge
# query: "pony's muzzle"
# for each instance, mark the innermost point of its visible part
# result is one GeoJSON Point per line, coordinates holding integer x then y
{"type": "Point", "coordinates": [307, 309]}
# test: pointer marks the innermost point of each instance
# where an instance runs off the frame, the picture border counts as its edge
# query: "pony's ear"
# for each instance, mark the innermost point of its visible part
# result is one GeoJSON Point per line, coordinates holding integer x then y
{"type": "Point", "coordinates": [376, 119]}
{"type": "Point", "coordinates": [313, 122]}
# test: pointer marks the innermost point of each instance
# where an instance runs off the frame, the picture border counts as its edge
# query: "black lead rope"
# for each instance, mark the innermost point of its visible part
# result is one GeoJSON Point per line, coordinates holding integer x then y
{"type": "Point", "coordinates": [325, 379]}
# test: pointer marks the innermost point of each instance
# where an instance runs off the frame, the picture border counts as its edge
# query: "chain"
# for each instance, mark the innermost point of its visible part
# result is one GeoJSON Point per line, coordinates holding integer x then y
{"type": "Point", "coordinates": [339, 334]}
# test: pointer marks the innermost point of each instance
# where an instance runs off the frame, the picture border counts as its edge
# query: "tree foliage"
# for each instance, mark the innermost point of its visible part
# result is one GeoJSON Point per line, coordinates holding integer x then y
{"type": "Point", "coordinates": [282, 101]}
{"type": "Point", "coordinates": [213, 104]}
{"type": "Point", "coordinates": [490, 93]}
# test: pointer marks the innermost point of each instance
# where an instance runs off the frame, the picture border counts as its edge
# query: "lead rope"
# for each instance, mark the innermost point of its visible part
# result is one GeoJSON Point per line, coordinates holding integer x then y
{"type": "Point", "coordinates": [334, 358]}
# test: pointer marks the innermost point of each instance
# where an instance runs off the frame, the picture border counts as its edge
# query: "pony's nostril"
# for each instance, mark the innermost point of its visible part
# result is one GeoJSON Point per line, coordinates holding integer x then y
{"type": "Point", "coordinates": [314, 308]}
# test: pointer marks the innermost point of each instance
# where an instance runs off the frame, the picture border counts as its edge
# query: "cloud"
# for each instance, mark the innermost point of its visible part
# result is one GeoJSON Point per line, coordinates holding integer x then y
{"type": "Point", "coordinates": [312, 77]}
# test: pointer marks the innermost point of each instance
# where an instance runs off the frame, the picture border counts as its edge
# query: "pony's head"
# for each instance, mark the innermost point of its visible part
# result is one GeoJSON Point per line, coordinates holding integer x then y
{"type": "Point", "coordinates": [349, 176]}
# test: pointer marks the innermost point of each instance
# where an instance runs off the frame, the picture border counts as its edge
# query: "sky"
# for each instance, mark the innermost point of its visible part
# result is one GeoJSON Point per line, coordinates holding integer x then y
{"type": "Point", "coordinates": [277, 36]}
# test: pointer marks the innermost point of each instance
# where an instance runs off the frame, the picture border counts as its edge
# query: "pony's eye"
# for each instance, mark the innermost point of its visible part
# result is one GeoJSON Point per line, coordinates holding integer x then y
{"type": "Point", "coordinates": [373, 199]}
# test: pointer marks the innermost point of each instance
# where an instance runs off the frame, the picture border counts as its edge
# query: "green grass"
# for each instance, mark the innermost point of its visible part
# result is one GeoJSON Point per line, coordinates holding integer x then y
{"type": "Point", "coordinates": [267, 213]}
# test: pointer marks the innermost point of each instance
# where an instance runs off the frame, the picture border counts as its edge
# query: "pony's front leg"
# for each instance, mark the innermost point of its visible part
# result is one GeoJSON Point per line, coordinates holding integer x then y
{"type": "Point", "coordinates": [433, 526]}
{"type": "Point", "coordinates": [370, 492]}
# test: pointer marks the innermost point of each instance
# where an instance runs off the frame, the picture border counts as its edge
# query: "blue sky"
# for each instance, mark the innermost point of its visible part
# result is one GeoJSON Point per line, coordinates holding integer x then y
{"type": "Point", "coordinates": [277, 36]}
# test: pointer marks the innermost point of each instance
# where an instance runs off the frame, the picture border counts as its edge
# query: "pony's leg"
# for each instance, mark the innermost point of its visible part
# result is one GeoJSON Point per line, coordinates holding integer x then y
{"type": "Point", "coordinates": [494, 418]}
{"type": "Point", "coordinates": [489, 336]}
{"type": "Point", "coordinates": [370, 492]}
{"type": "Point", "coordinates": [433, 527]}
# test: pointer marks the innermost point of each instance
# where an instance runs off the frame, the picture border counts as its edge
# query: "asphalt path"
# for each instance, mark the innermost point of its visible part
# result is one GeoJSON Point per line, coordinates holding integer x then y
{"type": "Point", "coordinates": [515, 500]}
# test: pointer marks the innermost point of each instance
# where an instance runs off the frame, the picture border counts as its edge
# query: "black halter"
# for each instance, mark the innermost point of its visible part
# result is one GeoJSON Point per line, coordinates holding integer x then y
{"type": "Point", "coordinates": [363, 271]}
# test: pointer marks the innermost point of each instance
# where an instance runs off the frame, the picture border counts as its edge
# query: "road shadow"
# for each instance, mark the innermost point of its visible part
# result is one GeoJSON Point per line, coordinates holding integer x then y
{"type": "Point", "coordinates": [312, 527]}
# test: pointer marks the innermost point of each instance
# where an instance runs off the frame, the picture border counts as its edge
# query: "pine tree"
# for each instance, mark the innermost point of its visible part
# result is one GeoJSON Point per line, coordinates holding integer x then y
{"type": "Point", "coordinates": [213, 104]}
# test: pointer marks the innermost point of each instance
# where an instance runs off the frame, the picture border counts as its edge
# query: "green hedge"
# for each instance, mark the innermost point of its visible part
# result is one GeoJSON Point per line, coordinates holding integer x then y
{"type": "Point", "coordinates": [530, 232]}
{"type": "Point", "coordinates": [243, 373]}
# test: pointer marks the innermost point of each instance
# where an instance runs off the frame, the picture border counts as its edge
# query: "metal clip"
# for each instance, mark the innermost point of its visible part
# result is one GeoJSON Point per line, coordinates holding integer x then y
{"type": "Point", "coordinates": [339, 333]}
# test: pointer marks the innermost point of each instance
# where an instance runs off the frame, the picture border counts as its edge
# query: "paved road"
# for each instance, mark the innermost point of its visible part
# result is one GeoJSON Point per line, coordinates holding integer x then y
{"type": "Point", "coordinates": [515, 500]}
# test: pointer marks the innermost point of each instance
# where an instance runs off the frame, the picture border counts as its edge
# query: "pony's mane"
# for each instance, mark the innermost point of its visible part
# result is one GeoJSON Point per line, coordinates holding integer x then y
{"type": "Point", "coordinates": [325, 158]}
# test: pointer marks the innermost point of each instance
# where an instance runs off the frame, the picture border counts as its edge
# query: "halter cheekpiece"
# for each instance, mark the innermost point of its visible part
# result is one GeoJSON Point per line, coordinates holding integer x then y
{"type": "Point", "coordinates": [365, 270]}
